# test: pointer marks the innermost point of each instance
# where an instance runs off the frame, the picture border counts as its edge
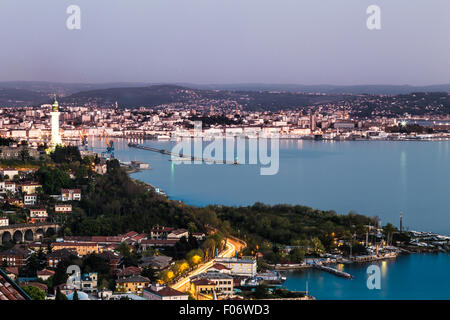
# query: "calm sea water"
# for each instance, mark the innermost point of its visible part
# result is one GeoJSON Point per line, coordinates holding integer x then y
{"type": "Point", "coordinates": [375, 178]}
{"type": "Point", "coordinates": [415, 276]}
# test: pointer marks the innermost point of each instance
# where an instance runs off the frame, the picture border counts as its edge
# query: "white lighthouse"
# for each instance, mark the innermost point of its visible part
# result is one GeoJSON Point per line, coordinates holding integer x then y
{"type": "Point", "coordinates": [56, 138]}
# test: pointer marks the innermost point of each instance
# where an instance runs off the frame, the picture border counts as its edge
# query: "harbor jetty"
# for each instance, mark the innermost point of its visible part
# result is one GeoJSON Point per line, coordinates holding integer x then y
{"type": "Point", "coordinates": [180, 156]}
{"type": "Point", "coordinates": [334, 271]}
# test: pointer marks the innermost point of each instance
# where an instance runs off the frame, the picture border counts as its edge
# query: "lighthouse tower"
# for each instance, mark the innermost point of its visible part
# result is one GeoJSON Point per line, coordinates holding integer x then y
{"type": "Point", "coordinates": [56, 138]}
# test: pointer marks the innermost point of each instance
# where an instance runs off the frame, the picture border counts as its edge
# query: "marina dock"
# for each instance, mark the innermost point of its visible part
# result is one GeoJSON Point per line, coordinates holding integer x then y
{"type": "Point", "coordinates": [180, 156]}
{"type": "Point", "coordinates": [334, 271]}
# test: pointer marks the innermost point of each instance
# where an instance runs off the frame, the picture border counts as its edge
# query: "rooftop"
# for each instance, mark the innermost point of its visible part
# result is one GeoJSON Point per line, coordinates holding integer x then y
{"type": "Point", "coordinates": [9, 290]}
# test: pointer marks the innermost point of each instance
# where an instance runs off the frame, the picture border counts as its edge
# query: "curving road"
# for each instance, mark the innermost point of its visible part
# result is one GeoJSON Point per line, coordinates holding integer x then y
{"type": "Point", "coordinates": [232, 247]}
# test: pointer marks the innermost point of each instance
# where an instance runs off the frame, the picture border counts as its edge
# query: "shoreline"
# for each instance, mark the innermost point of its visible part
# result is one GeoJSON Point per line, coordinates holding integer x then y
{"type": "Point", "coordinates": [136, 170]}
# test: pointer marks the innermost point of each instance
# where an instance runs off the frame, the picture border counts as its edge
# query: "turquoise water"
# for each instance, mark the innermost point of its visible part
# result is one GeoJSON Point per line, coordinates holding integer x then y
{"type": "Point", "coordinates": [415, 276]}
{"type": "Point", "coordinates": [375, 178]}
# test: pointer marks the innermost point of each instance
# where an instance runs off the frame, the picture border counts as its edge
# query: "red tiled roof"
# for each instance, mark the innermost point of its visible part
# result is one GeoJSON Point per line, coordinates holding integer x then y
{"type": "Point", "coordinates": [162, 229]}
{"type": "Point", "coordinates": [61, 254]}
{"type": "Point", "coordinates": [167, 292]}
{"type": "Point", "coordinates": [130, 234]}
{"type": "Point", "coordinates": [159, 242]}
{"type": "Point", "coordinates": [70, 190]}
{"type": "Point", "coordinates": [203, 282]}
{"type": "Point", "coordinates": [45, 272]}
{"type": "Point", "coordinates": [9, 290]}
{"type": "Point", "coordinates": [139, 237]}
{"type": "Point", "coordinates": [134, 279]}
{"type": "Point", "coordinates": [219, 266]}
{"type": "Point", "coordinates": [106, 239]}
{"type": "Point", "coordinates": [12, 270]}
{"type": "Point", "coordinates": [129, 271]}
{"type": "Point", "coordinates": [74, 244]}
{"type": "Point", "coordinates": [30, 184]}
{"type": "Point", "coordinates": [78, 238]}
{"type": "Point", "coordinates": [179, 231]}
{"type": "Point", "coordinates": [17, 250]}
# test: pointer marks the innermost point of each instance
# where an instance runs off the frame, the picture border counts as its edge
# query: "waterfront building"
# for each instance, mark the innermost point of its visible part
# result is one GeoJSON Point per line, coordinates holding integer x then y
{"type": "Point", "coordinates": [223, 282]}
{"type": "Point", "coordinates": [239, 267]}
{"type": "Point", "coordinates": [202, 287]}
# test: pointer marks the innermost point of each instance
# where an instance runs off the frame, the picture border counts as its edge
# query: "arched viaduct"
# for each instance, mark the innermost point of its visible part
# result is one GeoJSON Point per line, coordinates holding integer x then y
{"type": "Point", "coordinates": [26, 232]}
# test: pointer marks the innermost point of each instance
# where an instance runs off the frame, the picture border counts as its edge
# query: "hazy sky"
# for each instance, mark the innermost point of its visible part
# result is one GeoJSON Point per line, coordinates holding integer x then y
{"type": "Point", "coordinates": [226, 41]}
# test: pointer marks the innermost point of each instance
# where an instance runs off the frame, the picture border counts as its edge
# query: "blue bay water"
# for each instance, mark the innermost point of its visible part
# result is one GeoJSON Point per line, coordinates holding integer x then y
{"type": "Point", "coordinates": [375, 178]}
{"type": "Point", "coordinates": [409, 277]}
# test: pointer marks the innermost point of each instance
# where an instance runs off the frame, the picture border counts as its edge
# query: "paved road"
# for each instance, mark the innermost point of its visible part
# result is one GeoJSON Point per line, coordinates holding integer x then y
{"type": "Point", "coordinates": [232, 247]}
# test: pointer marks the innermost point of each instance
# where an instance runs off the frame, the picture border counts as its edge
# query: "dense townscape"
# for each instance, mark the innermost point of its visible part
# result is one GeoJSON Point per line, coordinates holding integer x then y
{"type": "Point", "coordinates": [172, 111]}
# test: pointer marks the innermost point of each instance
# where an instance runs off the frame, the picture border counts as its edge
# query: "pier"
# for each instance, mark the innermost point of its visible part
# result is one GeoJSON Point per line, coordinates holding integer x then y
{"type": "Point", "coordinates": [334, 271]}
{"type": "Point", "coordinates": [180, 156]}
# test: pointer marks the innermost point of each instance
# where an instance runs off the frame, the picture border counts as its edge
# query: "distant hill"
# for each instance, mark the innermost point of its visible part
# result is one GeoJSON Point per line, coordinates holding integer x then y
{"type": "Point", "coordinates": [325, 88]}
{"type": "Point", "coordinates": [63, 89]}
{"type": "Point", "coordinates": [250, 96]}
{"type": "Point", "coordinates": [21, 97]}
{"type": "Point", "coordinates": [164, 94]}
{"type": "Point", "coordinates": [135, 97]}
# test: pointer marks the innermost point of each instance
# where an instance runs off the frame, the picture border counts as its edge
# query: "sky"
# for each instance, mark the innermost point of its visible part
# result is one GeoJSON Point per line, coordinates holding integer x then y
{"type": "Point", "coordinates": [226, 41]}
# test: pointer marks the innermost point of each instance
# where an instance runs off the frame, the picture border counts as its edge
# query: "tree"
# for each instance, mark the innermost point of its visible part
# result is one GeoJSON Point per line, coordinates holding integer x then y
{"type": "Point", "coordinates": [261, 292]}
{"type": "Point", "coordinates": [124, 249]}
{"type": "Point", "coordinates": [59, 295]}
{"type": "Point", "coordinates": [317, 246]}
{"type": "Point", "coordinates": [34, 292]}
{"type": "Point", "coordinates": [208, 247]}
{"type": "Point", "coordinates": [388, 231]}
{"type": "Point", "coordinates": [24, 154]}
{"type": "Point", "coordinates": [53, 179]}
{"type": "Point", "coordinates": [75, 295]}
{"type": "Point", "coordinates": [194, 257]}
{"type": "Point", "coordinates": [148, 272]}
{"type": "Point", "coordinates": [66, 154]}
{"type": "Point", "coordinates": [297, 255]}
